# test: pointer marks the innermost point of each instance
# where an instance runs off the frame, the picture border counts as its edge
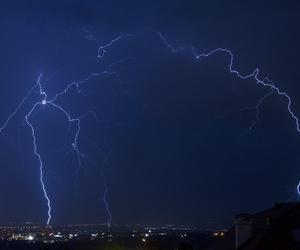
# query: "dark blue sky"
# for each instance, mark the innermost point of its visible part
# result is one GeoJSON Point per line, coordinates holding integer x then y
{"type": "Point", "coordinates": [169, 157]}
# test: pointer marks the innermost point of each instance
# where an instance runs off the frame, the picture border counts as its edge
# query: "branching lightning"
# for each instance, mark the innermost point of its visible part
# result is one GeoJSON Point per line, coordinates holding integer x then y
{"type": "Point", "coordinates": [101, 51]}
{"type": "Point", "coordinates": [77, 120]}
{"type": "Point", "coordinates": [255, 75]}
{"type": "Point", "coordinates": [255, 108]}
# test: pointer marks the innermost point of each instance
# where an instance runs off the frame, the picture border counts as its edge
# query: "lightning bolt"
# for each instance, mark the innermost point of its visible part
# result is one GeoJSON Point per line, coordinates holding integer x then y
{"type": "Point", "coordinates": [45, 101]}
{"type": "Point", "coordinates": [255, 75]}
{"type": "Point", "coordinates": [101, 51]}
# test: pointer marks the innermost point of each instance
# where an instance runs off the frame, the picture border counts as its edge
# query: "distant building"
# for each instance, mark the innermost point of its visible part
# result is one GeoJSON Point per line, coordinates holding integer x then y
{"type": "Point", "coordinates": [277, 228]}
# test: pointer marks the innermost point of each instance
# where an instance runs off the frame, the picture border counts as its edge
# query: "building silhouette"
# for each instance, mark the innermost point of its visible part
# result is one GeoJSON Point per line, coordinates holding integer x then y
{"type": "Point", "coordinates": [277, 228]}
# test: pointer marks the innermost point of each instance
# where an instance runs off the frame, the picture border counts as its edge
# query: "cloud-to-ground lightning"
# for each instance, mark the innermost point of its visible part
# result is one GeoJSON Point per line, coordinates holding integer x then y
{"type": "Point", "coordinates": [45, 101]}
{"type": "Point", "coordinates": [101, 51]}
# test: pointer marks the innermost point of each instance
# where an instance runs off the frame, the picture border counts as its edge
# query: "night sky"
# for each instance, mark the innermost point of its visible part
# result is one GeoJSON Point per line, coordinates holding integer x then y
{"type": "Point", "coordinates": [168, 152]}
